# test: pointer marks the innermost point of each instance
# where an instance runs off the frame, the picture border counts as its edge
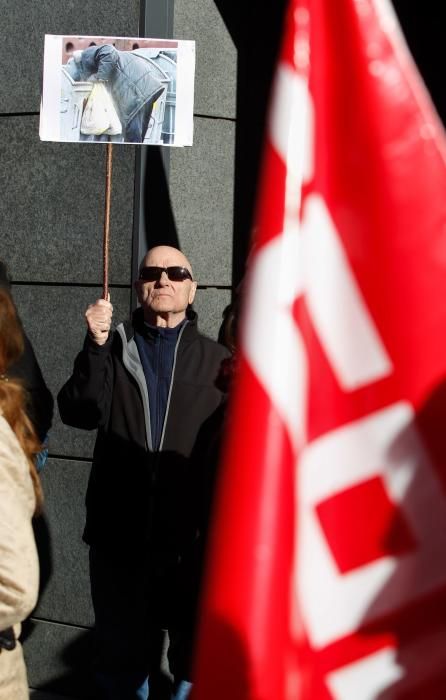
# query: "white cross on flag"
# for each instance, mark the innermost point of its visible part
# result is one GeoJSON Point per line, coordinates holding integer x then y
{"type": "Point", "coordinates": [327, 575]}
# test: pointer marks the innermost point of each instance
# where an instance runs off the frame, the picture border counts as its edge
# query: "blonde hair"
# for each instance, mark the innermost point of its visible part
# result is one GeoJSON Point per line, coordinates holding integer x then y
{"type": "Point", "coordinates": [12, 392]}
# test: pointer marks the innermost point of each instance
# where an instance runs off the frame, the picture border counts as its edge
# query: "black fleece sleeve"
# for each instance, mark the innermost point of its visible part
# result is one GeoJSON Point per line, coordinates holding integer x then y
{"type": "Point", "coordinates": [84, 401]}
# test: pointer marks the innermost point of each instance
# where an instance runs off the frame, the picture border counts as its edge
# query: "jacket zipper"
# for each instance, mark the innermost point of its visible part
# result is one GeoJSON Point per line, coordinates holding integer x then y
{"type": "Point", "coordinates": [170, 386]}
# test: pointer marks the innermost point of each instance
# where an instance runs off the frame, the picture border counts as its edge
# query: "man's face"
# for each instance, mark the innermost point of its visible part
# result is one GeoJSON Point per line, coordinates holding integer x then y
{"type": "Point", "coordinates": [164, 299]}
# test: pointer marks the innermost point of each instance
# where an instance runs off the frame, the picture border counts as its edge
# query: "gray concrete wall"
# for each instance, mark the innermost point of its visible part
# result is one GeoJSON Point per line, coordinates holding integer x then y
{"type": "Point", "coordinates": [51, 213]}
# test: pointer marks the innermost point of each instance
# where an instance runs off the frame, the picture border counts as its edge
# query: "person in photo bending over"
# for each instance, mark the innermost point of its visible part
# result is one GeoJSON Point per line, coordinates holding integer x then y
{"type": "Point", "coordinates": [130, 79]}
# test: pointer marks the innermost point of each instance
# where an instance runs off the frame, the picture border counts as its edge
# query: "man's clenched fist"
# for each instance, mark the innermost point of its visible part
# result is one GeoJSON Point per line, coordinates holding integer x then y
{"type": "Point", "coordinates": [99, 318]}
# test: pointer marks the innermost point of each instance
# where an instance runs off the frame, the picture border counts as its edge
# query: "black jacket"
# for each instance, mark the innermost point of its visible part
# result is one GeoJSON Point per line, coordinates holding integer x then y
{"type": "Point", "coordinates": [136, 495]}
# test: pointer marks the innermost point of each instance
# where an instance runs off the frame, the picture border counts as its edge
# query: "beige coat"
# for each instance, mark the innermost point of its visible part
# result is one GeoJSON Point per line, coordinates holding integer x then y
{"type": "Point", "coordinates": [19, 569]}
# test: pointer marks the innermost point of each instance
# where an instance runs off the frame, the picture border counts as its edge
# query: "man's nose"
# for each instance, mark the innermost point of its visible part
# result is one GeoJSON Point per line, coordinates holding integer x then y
{"type": "Point", "coordinates": [164, 279]}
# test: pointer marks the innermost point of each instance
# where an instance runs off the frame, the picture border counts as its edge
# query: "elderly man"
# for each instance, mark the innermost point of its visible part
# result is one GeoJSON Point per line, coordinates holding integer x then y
{"type": "Point", "coordinates": [148, 386]}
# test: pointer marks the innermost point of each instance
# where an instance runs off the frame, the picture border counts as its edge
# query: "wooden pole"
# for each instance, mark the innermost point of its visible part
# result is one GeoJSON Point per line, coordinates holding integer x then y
{"type": "Point", "coordinates": [106, 239]}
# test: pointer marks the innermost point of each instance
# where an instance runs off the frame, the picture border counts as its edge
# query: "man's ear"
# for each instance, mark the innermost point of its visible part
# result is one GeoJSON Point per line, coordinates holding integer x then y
{"type": "Point", "coordinates": [193, 289]}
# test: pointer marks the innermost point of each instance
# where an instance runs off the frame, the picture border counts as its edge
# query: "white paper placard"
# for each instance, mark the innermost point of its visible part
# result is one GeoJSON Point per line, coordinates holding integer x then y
{"type": "Point", "coordinates": [150, 83]}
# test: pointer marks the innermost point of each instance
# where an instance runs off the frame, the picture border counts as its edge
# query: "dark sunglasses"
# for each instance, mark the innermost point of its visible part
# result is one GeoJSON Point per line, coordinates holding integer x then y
{"type": "Point", "coordinates": [175, 273]}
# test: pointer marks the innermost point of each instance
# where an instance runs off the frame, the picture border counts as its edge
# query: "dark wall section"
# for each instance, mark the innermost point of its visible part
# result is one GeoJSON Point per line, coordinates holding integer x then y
{"type": "Point", "coordinates": [256, 33]}
{"type": "Point", "coordinates": [424, 32]}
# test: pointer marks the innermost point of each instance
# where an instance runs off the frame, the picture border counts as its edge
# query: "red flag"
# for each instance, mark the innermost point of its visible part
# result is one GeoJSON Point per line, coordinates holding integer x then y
{"type": "Point", "coordinates": [327, 575]}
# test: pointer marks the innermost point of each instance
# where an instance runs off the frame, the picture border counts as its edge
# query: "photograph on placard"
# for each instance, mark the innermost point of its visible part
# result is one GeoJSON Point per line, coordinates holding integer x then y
{"type": "Point", "coordinates": [117, 89]}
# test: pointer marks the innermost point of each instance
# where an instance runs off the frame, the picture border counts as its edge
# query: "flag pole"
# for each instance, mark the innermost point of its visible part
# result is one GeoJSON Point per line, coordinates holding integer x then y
{"type": "Point", "coordinates": [106, 238]}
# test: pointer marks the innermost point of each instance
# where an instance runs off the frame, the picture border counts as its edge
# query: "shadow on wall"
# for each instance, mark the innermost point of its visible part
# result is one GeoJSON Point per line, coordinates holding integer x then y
{"type": "Point", "coordinates": [75, 667]}
{"type": "Point", "coordinates": [43, 542]}
{"type": "Point", "coordinates": [256, 36]}
{"type": "Point", "coordinates": [72, 679]}
{"type": "Point", "coordinates": [424, 34]}
{"type": "Point", "coordinates": [158, 214]}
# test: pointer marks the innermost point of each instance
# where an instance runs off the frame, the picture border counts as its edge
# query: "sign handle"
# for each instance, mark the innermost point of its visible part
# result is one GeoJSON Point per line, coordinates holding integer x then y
{"type": "Point", "coordinates": [106, 238]}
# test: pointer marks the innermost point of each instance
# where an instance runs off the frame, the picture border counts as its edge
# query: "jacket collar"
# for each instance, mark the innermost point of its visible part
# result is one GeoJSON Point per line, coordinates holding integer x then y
{"type": "Point", "coordinates": [136, 323]}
